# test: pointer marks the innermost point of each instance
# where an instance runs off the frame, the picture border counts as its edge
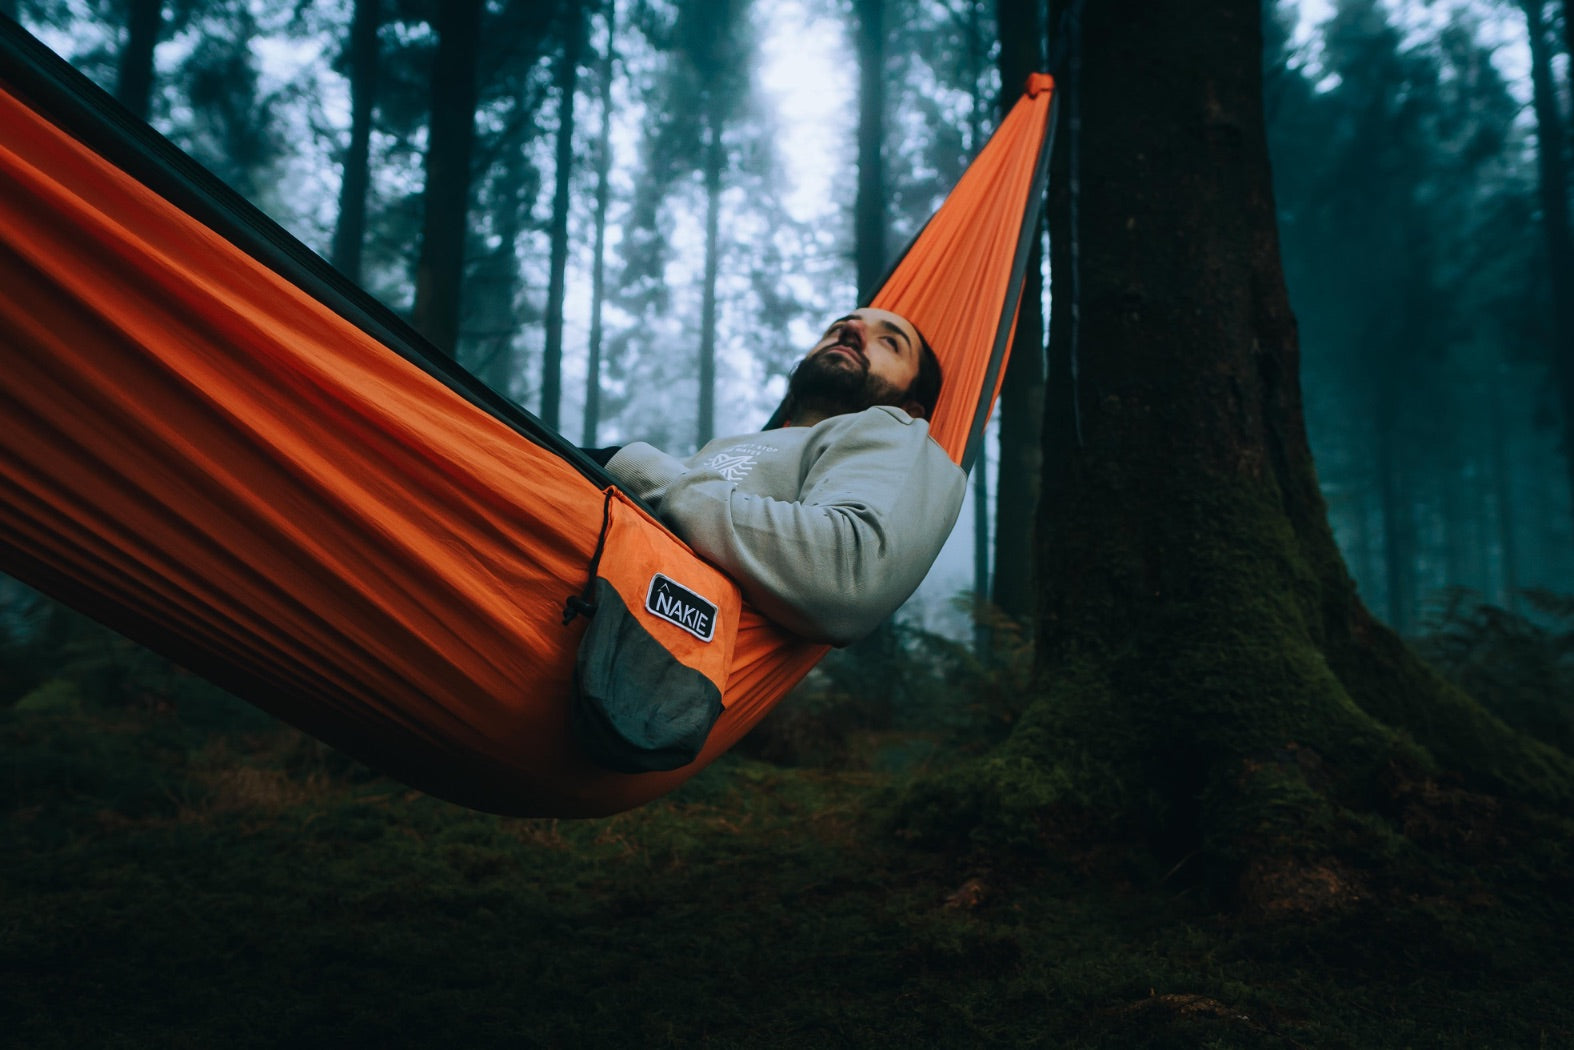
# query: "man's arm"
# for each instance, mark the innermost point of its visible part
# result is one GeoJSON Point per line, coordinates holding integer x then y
{"type": "Point", "coordinates": [876, 504]}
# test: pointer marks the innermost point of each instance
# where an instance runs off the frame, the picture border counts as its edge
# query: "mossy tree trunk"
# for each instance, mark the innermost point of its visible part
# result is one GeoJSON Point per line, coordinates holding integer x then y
{"type": "Point", "coordinates": [1208, 679]}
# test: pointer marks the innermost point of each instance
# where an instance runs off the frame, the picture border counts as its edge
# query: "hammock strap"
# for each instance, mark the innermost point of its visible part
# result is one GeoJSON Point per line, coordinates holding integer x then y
{"type": "Point", "coordinates": [584, 603]}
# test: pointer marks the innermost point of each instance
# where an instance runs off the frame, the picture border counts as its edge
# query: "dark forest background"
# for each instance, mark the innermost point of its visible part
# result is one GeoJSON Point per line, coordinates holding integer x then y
{"type": "Point", "coordinates": [1160, 775]}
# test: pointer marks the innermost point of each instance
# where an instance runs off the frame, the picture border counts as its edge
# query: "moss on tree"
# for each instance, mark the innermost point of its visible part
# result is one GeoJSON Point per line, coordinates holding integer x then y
{"type": "Point", "coordinates": [1208, 679]}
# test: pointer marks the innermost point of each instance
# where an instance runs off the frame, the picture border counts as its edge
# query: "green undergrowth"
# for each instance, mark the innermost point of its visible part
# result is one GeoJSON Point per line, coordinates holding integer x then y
{"type": "Point", "coordinates": [187, 874]}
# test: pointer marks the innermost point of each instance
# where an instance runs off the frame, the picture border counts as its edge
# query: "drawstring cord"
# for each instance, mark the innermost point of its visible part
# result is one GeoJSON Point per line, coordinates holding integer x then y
{"type": "Point", "coordinates": [583, 604]}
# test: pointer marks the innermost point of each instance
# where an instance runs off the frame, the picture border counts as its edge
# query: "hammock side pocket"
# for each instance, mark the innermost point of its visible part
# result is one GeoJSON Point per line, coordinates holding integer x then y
{"type": "Point", "coordinates": [651, 669]}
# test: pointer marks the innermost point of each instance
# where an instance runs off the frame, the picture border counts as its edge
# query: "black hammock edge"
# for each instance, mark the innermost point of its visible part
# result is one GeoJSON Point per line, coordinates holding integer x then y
{"type": "Point", "coordinates": [33, 72]}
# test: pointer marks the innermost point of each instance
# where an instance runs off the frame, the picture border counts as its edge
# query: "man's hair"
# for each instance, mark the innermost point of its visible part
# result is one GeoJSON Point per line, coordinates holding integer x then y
{"type": "Point", "coordinates": [926, 384]}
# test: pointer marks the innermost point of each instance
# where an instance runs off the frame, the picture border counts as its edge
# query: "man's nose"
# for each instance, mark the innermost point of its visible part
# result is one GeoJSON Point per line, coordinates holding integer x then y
{"type": "Point", "coordinates": [855, 333]}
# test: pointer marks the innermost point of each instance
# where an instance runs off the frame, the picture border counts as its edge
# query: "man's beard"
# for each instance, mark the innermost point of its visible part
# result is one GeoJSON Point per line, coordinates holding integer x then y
{"type": "Point", "coordinates": [822, 385]}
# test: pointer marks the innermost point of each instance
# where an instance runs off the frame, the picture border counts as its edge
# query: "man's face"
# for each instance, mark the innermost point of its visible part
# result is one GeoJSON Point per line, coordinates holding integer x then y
{"type": "Point", "coordinates": [869, 357]}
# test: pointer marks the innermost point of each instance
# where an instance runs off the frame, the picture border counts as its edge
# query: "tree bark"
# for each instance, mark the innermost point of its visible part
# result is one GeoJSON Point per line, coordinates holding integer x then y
{"type": "Point", "coordinates": [1021, 403]}
{"type": "Point", "coordinates": [567, 85]}
{"type": "Point", "coordinates": [869, 218]}
{"type": "Point", "coordinates": [598, 266]}
{"type": "Point", "coordinates": [715, 159]}
{"type": "Point", "coordinates": [134, 76]}
{"type": "Point", "coordinates": [1555, 220]}
{"type": "Point", "coordinates": [349, 233]}
{"type": "Point", "coordinates": [439, 274]}
{"type": "Point", "coordinates": [1209, 682]}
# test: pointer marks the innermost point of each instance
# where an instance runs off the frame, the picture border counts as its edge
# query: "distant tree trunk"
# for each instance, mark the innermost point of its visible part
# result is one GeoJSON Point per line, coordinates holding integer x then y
{"type": "Point", "coordinates": [349, 234]}
{"type": "Point", "coordinates": [981, 632]}
{"type": "Point", "coordinates": [869, 220]}
{"type": "Point", "coordinates": [1568, 39]}
{"type": "Point", "coordinates": [598, 266]}
{"type": "Point", "coordinates": [1209, 681]}
{"type": "Point", "coordinates": [439, 274]}
{"type": "Point", "coordinates": [1555, 220]}
{"type": "Point", "coordinates": [1456, 506]}
{"type": "Point", "coordinates": [715, 159]}
{"type": "Point", "coordinates": [1398, 524]}
{"type": "Point", "coordinates": [1476, 543]}
{"type": "Point", "coordinates": [1503, 495]}
{"type": "Point", "coordinates": [983, 637]}
{"type": "Point", "coordinates": [134, 77]}
{"type": "Point", "coordinates": [492, 282]}
{"type": "Point", "coordinates": [1022, 393]}
{"type": "Point", "coordinates": [567, 85]}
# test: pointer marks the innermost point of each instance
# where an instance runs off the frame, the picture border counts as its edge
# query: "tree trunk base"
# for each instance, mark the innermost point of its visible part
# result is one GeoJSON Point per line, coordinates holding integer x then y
{"type": "Point", "coordinates": [1231, 721]}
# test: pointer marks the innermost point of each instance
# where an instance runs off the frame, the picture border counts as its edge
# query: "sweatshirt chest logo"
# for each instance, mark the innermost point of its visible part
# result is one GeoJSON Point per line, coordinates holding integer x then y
{"type": "Point", "coordinates": [678, 605]}
{"type": "Point", "coordinates": [737, 462]}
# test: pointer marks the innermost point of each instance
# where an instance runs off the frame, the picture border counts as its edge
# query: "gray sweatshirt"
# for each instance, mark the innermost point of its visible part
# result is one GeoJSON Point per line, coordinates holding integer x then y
{"type": "Point", "coordinates": [828, 529]}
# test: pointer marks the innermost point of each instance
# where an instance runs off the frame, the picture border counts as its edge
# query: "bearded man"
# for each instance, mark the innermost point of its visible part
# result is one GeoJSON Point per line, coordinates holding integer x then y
{"type": "Point", "coordinates": [829, 523]}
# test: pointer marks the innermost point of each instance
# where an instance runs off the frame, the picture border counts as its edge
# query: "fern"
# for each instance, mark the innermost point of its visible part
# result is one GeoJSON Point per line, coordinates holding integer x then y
{"type": "Point", "coordinates": [1520, 667]}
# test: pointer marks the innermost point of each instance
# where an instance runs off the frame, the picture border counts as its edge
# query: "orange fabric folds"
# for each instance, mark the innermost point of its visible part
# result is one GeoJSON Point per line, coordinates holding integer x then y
{"type": "Point", "coordinates": [202, 455]}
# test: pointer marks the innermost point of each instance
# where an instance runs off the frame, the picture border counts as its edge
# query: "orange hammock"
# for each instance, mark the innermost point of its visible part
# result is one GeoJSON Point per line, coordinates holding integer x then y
{"type": "Point", "coordinates": [202, 454]}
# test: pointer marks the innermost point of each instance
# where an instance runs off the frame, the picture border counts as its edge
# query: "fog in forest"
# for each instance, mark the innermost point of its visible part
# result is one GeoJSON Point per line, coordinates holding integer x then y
{"type": "Point", "coordinates": [651, 183]}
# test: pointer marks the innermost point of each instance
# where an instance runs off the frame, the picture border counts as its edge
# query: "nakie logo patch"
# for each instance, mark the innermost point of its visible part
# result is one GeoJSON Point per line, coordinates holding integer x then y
{"type": "Point", "coordinates": [677, 604]}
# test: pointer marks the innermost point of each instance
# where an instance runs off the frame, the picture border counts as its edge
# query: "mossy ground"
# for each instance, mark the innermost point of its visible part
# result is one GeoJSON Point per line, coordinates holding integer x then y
{"type": "Point", "coordinates": [178, 877]}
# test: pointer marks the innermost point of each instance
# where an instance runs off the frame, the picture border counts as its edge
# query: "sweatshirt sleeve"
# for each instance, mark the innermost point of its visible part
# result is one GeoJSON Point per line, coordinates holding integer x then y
{"type": "Point", "coordinates": [878, 500]}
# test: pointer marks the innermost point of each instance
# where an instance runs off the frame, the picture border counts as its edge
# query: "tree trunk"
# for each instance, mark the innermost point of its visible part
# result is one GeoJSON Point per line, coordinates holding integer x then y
{"type": "Point", "coordinates": [598, 266]}
{"type": "Point", "coordinates": [1503, 495]}
{"type": "Point", "coordinates": [1022, 394]}
{"type": "Point", "coordinates": [1209, 682]}
{"type": "Point", "coordinates": [1555, 221]}
{"type": "Point", "coordinates": [1455, 519]}
{"type": "Point", "coordinates": [715, 158]}
{"type": "Point", "coordinates": [439, 274]}
{"type": "Point", "coordinates": [134, 77]}
{"type": "Point", "coordinates": [349, 234]}
{"type": "Point", "coordinates": [567, 84]}
{"type": "Point", "coordinates": [492, 281]}
{"type": "Point", "coordinates": [869, 222]}
{"type": "Point", "coordinates": [1398, 525]}
{"type": "Point", "coordinates": [983, 636]}
{"type": "Point", "coordinates": [1568, 39]}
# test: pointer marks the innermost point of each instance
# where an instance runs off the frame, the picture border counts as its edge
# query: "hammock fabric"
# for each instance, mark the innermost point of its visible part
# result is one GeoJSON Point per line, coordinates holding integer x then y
{"type": "Point", "coordinates": [199, 450]}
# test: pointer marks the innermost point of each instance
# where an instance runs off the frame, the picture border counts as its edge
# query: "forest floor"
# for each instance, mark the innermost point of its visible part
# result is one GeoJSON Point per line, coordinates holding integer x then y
{"type": "Point", "coordinates": [200, 878]}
